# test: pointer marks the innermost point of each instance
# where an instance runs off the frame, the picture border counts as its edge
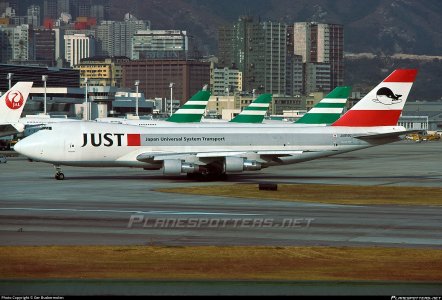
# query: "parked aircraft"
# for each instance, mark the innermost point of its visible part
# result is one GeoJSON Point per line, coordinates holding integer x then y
{"type": "Point", "coordinates": [256, 111]}
{"type": "Point", "coordinates": [194, 109]}
{"type": "Point", "coordinates": [226, 148]}
{"type": "Point", "coordinates": [191, 111]}
{"type": "Point", "coordinates": [11, 107]}
{"type": "Point", "coordinates": [329, 109]}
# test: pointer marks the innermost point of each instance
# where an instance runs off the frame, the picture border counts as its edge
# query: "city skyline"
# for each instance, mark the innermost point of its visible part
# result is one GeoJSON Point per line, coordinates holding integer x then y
{"type": "Point", "coordinates": [260, 70]}
{"type": "Point", "coordinates": [292, 84]}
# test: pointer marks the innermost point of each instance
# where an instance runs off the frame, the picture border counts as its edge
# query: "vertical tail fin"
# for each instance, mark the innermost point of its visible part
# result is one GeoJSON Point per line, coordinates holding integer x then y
{"type": "Point", "coordinates": [255, 112]}
{"type": "Point", "coordinates": [192, 111]}
{"type": "Point", "coordinates": [329, 109]}
{"type": "Point", "coordinates": [13, 102]}
{"type": "Point", "coordinates": [384, 104]}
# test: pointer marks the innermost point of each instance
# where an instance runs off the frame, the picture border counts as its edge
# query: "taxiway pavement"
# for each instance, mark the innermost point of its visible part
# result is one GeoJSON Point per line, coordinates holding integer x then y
{"type": "Point", "coordinates": [119, 207]}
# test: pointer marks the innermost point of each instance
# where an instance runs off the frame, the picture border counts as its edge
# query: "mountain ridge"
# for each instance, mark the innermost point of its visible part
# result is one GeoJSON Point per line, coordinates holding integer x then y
{"type": "Point", "coordinates": [377, 26]}
{"type": "Point", "coordinates": [383, 28]}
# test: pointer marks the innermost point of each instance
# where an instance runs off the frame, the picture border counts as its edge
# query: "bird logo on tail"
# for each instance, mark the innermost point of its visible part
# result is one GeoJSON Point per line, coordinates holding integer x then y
{"type": "Point", "coordinates": [14, 99]}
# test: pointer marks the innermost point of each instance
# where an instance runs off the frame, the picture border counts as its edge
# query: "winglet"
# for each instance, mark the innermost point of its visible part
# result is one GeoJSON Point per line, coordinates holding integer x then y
{"type": "Point", "coordinates": [13, 102]}
{"type": "Point", "coordinates": [255, 112]}
{"type": "Point", "coordinates": [384, 104]}
{"type": "Point", "coordinates": [329, 109]}
{"type": "Point", "coordinates": [192, 111]}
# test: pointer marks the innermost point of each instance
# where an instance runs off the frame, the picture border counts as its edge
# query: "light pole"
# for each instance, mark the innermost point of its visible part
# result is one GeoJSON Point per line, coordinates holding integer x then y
{"type": "Point", "coordinates": [85, 96]}
{"type": "Point", "coordinates": [44, 78]}
{"type": "Point", "coordinates": [137, 83]}
{"type": "Point", "coordinates": [9, 77]}
{"type": "Point", "coordinates": [171, 97]}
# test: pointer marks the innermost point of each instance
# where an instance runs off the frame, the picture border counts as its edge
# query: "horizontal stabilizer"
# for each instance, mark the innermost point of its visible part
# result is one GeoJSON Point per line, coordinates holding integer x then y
{"type": "Point", "coordinates": [386, 135]}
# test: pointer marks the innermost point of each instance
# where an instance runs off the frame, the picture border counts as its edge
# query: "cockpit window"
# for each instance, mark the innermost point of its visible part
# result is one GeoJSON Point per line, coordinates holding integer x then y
{"type": "Point", "coordinates": [46, 128]}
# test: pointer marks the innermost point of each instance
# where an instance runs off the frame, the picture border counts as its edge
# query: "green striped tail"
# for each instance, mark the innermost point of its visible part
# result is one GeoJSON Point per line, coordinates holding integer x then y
{"type": "Point", "coordinates": [329, 109]}
{"type": "Point", "coordinates": [255, 112]}
{"type": "Point", "coordinates": [193, 110]}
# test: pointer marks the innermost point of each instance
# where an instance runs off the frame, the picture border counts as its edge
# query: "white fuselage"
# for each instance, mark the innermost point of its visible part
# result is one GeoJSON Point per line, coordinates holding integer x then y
{"type": "Point", "coordinates": [33, 124]}
{"type": "Point", "coordinates": [92, 144]}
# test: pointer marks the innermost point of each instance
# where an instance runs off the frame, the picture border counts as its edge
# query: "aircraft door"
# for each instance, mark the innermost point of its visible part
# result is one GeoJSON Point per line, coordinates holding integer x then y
{"type": "Point", "coordinates": [335, 140]}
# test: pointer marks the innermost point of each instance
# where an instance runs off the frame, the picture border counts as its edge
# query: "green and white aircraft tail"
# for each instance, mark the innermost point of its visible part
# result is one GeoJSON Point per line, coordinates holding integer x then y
{"type": "Point", "coordinates": [329, 109]}
{"type": "Point", "coordinates": [255, 112]}
{"type": "Point", "coordinates": [193, 110]}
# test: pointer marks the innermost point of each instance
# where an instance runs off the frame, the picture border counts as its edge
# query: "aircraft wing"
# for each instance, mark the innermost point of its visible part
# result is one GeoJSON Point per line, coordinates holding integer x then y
{"type": "Point", "coordinates": [209, 156]}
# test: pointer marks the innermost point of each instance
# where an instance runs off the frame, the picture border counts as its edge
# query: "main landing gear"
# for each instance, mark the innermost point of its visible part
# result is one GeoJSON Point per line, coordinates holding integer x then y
{"type": "Point", "coordinates": [59, 173]}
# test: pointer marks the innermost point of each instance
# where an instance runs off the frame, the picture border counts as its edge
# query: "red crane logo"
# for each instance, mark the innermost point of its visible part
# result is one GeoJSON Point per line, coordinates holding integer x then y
{"type": "Point", "coordinates": [14, 100]}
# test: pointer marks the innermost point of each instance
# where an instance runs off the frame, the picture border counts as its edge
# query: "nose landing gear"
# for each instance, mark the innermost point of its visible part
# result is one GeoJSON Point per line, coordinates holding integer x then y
{"type": "Point", "coordinates": [59, 173]}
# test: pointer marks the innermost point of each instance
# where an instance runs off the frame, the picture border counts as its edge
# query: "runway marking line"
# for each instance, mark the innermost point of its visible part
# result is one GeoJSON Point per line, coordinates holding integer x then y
{"type": "Point", "coordinates": [221, 263]}
{"type": "Point", "coordinates": [322, 193]}
{"type": "Point", "coordinates": [165, 212]}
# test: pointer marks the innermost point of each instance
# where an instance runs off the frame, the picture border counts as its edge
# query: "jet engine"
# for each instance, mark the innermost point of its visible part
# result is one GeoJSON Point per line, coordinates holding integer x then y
{"type": "Point", "coordinates": [177, 167]}
{"type": "Point", "coordinates": [240, 164]}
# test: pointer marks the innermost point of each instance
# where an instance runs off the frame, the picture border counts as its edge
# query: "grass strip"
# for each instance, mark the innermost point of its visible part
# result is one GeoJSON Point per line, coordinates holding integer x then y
{"type": "Point", "coordinates": [331, 194]}
{"type": "Point", "coordinates": [221, 263]}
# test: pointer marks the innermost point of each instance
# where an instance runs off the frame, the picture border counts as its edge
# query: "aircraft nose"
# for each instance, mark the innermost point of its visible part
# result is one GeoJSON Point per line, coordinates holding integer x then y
{"type": "Point", "coordinates": [27, 147]}
{"type": "Point", "coordinates": [18, 147]}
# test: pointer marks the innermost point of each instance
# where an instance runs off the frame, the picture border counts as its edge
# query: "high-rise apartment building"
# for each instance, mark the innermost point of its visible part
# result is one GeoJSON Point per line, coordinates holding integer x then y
{"type": "Point", "coordinates": [34, 15]}
{"type": "Point", "coordinates": [6, 43]}
{"type": "Point", "coordinates": [115, 38]}
{"type": "Point", "coordinates": [160, 44]}
{"type": "Point", "coordinates": [317, 77]}
{"type": "Point", "coordinates": [275, 47]}
{"type": "Point", "coordinates": [16, 43]}
{"type": "Point", "coordinates": [295, 74]}
{"type": "Point", "coordinates": [50, 9]}
{"type": "Point", "coordinates": [322, 44]}
{"type": "Point", "coordinates": [259, 51]}
{"type": "Point", "coordinates": [226, 81]}
{"type": "Point", "coordinates": [17, 5]}
{"type": "Point", "coordinates": [12, 17]}
{"type": "Point", "coordinates": [44, 45]}
{"type": "Point", "coordinates": [62, 7]}
{"type": "Point", "coordinates": [21, 42]}
{"type": "Point", "coordinates": [98, 9]}
{"type": "Point", "coordinates": [78, 46]}
{"type": "Point", "coordinates": [3, 6]}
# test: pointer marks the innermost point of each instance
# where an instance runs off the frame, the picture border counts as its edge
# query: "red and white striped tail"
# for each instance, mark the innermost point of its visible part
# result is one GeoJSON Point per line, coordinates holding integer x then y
{"type": "Point", "coordinates": [384, 104]}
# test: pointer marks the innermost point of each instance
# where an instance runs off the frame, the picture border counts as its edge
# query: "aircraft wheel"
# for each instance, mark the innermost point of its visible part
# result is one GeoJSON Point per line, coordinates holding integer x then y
{"type": "Point", "coordinates": [59, 176]}
{"type": "Point", "coordinates": [216, 176]}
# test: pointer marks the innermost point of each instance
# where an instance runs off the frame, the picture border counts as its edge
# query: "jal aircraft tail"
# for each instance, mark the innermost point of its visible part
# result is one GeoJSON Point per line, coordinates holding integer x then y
{"type": "Point", "coordinates": [11, 108]}
{"type": "Point", "coordinates": [193, 110]}
{"type": "Point", "coordinates": [255, 112]}
{"type": "Point", "coordinates": [329, 109]}
{"type": "Point", "coordinates": [384, 104]}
